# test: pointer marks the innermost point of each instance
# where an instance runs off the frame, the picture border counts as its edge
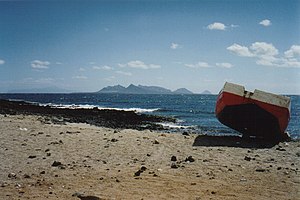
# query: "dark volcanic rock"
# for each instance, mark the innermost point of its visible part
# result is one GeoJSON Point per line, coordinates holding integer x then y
{"type": "Point", "coordinates": [106, 118]}
{"type": "Point", "coordinates": [190, 159]}
{"type": "Point", "coordinates": [173, 158]}
{"type": "Point", "coordinates": [56, 164]}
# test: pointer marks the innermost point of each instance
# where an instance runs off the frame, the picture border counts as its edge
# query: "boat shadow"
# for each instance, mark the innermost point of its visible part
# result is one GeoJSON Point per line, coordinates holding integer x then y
{"type": "Point", "coordinates": [232, 141]}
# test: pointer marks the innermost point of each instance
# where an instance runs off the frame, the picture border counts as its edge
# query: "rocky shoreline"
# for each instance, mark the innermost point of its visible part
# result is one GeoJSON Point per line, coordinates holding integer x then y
{"type": "Point", "coordinates": [104, 118]}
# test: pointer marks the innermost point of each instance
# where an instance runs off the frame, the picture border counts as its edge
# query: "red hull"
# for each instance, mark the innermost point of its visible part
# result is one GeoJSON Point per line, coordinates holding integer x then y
{"type": "Point", "coordinates": [250, 116]}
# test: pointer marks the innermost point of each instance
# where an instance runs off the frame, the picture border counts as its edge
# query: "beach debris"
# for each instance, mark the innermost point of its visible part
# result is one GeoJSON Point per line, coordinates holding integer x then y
{"type": "Point", "coordinates": [23, 129]}
{"type": "Point", "coordinates": [173, 158]}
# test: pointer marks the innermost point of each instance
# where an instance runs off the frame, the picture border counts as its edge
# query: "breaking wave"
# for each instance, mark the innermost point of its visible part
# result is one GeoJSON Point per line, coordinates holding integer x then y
{"type": "Point", "coordinates": [74, 106]}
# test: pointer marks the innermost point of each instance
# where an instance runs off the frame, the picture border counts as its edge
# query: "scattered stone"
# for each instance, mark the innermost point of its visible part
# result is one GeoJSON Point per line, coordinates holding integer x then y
{"type": "Point", "coordinates": [148, 154]}
{"type": "Point", "coordinates": [114, 140]}
{"type": "Point", "coordinates": [12, 175]}
{"type": "Point", "coordinates": [143, 168]}
{"type": "Point", "coordinates": [173, 158]}
{"type": "Point", "coordinates": [280, 149]}
{"type": "Point", "coordinates": [174, 166]}
{"type": "Point", "coordinates": [31, 157]}
{"type": "Point", "coordinates": [138, 173]}
{"type": "Point", "coordinates": [56, 164]}
{"type": "Point", "coordinates": [26, 176]}
{"type": "Point", "coordinates": [185, 133]}
{"type": "Point", "coordinates": [247, 158]}
{"type": "Point", "coordinates": [260, 170]}
{"type": "Point", "coordinates": [3, 184]}
{"type": "Point", "coordinates": [48, 154]}
{"type": "Point", "coordinates": [190, 159]}
{"type": "Point", "coordinates": [279, 168]}
{"type": "Point", "coordinates": [156, 141]}
{"type": "Point", "coordinates": [42, 172]}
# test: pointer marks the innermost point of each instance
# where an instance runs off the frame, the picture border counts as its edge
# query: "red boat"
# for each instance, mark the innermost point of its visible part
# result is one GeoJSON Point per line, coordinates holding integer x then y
{"type": "Point", "coordinates": [254, 114]}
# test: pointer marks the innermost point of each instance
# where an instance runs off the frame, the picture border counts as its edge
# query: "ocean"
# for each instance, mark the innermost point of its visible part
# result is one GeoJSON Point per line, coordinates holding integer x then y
{"type": "Point", "coordinates": [192, 112]}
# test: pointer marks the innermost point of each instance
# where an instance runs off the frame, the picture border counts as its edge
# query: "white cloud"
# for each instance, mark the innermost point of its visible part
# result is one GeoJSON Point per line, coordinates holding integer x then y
{"type": "Point", "coordinates": [81, 69]}
{"type": "Point", "coordinates": [124, 73]}
{"type": "Point", "coordinates": [198, 65]}
{"type": "Point", "coordinates": [122, 65]}
{"type": "Point", "coordinates": [262, 48]}
{"type": "Point", "coordinates": [265, 22]}
{"type": "Point", "coordinates": [58, 63]}
{"type": "Point", "coordinates": [224, 65]}
{"type": "Point", "coordinates": [2, 62]}
{"type": "Point", "coordinates": [45, 80]}
{"type": "Point", "coordinates": [37, 64]}
{"type": "Point", "coordinates": [139, 65]}
{"type": "Point", "coordinates": [293, 51]}
{"type": "Point", "coordinates": [217, 26]}
{"type": "Point", "coordinates": [234, 26]}
{"type": "Point", "coordinates": [79, 77]}
{"type": "Point", "coordinates": [240, 50]}
{"type": "Point", "coordinates": [174, 46]}
{"type": "Point", "coordinates": [267, 54]}
{"type": "Point", "coordinates": [105, 67]}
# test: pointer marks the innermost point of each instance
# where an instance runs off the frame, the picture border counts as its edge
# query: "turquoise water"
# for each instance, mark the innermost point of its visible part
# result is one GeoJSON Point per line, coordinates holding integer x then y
{"type": "Point", "coordinates": [195, 112]}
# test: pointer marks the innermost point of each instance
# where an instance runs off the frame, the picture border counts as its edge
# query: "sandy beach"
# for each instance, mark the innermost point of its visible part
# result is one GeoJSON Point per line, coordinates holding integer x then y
{"type": "Point", "coordinates": [42, 160]}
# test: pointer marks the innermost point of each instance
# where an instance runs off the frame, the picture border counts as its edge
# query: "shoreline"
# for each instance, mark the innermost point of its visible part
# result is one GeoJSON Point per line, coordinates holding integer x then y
{"type": "Point", "coordinates": [44, 160]}
{"type": "Point", "coordinates": [99, 117]}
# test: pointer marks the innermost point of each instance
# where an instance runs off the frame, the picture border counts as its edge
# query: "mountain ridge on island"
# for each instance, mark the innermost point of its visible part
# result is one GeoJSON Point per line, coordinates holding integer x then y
{"type": "Point", "coordinates": [140, 89]}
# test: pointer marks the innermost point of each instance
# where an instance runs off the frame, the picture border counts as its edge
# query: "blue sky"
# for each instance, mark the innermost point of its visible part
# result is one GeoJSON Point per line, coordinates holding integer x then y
{"type": "Point", "coordinates": [87, 45]}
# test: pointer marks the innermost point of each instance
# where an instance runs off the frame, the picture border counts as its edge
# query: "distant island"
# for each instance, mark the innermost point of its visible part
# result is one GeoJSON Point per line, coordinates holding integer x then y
{"type": "Point", "coordinates": [140, 89]}
{"type": "Point", "coordinates": [117, 89]}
